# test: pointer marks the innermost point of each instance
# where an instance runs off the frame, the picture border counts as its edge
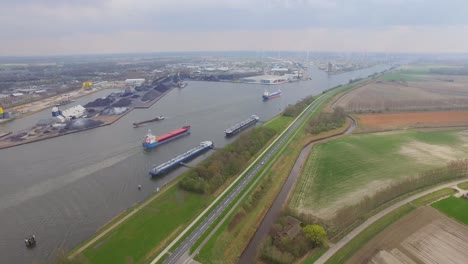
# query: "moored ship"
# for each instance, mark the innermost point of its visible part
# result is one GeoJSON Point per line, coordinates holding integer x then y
{"type": "Point", "coordinates": [267, 95]}
{"type": "Point", "coordinates": [171, 164]}
{"type": "Point", "coordinates": [152, 141]}
{"type": "Point", "coordinates": [242, 125]}
{"type": "Point", "coordinates": [138, 124]}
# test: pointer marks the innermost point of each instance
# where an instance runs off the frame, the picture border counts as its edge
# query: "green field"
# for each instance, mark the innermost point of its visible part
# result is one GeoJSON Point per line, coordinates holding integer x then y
{"type": "Point", "coordinates": [396, 76]}
{"type": "Point", "coordinates": [343, 171]}
{"type": "Point", "coordinates": [134, 239]}
{"type": "Point", "coordinates": [454, 207]}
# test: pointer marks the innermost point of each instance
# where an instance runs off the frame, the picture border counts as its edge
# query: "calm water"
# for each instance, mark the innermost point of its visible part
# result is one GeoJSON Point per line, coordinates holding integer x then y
{"type": "Point", "coordinates": [64, 189]}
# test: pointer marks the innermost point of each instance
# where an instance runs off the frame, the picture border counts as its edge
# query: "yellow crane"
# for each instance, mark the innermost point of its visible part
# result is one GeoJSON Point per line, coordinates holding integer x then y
{"type": "Point", "coordinates": [87, 85]}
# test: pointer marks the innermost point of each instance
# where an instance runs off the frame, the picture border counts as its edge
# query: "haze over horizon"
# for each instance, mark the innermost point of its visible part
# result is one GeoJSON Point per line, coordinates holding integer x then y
{"type": "Point", "coordinates": [52, 27]}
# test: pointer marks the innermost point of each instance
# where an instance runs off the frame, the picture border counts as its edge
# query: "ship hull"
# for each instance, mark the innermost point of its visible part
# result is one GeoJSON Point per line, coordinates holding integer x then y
{"type": "Point", "coordinates": [236, 131]}
{"type": "Point", "coordinates": [271, 96]}
{"type": "Point", "coordinates": [178, 163]}
{"type": "Point", "coordinates": [158, 143]}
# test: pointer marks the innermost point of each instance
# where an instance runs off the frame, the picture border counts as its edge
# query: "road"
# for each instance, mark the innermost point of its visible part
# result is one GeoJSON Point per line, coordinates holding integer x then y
{"type": "Point", "coordinates": [250, 172]}
{"type": "Point", "coordinates": [333, 249]}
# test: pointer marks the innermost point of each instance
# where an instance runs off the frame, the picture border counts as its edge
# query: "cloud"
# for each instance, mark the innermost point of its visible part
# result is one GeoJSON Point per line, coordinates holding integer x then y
{"type": "Point", "coordinates": [36, 21]}
{"type": "Point", "coordinates": [394, 39]}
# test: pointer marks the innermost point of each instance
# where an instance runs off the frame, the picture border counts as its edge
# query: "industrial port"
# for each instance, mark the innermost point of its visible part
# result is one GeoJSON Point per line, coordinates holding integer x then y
{"type": "Point", "coordinates": [100, 112]}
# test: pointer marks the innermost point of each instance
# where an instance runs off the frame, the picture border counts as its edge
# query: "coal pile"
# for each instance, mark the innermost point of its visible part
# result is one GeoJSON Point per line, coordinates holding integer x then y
{"type": "Point", "coordinates": [82, 123]}
{"type": "Point", "coordinates": [123, 102]}
{"type": "Point", "coordinates": [142, 88]}
{"type": "Point", "coordinates": [100, 102]}
{"type": "Point", "coordinates": [151, 95]}
{"type": "Point", "coordinates": [17, 137]}
{"type": "Point", "coordinates": [161, 88]}
{"type": "Point", "coordinates": [114, 110]}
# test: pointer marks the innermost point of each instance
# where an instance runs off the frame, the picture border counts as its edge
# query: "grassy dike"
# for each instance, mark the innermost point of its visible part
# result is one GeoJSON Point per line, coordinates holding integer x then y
{"type": "Point", "coordinates": [149, 230]}
{"type": "Point", "coordinates": [463, 186]}
{"type": "Point", "coordinates": [229, 241]}
{"type": "Point", "coordinates": [373, 230]}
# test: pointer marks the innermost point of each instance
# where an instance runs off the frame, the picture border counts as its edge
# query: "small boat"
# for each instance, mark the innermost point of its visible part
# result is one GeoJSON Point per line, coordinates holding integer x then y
{"type": "Point", "coordinates": [148, 121]}
{"type": "Point", "coordinates": [30, 241]}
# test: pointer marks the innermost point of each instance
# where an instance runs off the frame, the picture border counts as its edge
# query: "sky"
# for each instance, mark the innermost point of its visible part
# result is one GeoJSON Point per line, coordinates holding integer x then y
{"type": "Point", "coordinates": [59, 27]}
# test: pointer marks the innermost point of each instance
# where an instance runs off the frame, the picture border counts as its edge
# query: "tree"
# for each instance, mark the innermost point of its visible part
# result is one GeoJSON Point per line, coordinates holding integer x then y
{"type": "Point", "coordinates": [316, 234]}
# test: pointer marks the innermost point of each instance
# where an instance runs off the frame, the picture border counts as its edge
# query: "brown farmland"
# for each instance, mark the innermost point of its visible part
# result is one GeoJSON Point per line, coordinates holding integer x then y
{"type": "Point", "coordinates": [382, 122]}
{"type": "Point", "coordinates": [435, 93]}
{"type": "Point", "coordinates": [424, 236]}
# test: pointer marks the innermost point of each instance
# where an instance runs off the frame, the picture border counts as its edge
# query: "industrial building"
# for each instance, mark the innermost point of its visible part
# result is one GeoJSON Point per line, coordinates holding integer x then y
{"type": "Point", "coordinates": [136, 82]}
{"type": "Point", "coordinates": [266, 79]}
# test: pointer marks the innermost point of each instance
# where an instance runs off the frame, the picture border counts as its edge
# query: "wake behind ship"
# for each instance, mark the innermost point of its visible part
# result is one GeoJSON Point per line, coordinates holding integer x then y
{"type": "Point", "coordinates": [242, 125]}
{"type": "Point", "coordinates": [267, 95]}
{"type": "Point", "coordinates": [152, 141]}
{"type": "Point", "coordinates": [171, 164]}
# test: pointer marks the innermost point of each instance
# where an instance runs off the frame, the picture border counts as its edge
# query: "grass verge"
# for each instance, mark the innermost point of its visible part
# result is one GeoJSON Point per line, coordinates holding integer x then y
{"type": "Point", "coordinates": [427, 199]}
{"type": "Point", "coordinates": [463, 185]}
{"type": "Point", "coordinates": [137, 238]}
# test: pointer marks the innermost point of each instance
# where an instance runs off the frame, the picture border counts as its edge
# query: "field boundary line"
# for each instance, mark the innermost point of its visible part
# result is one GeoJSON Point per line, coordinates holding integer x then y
{"type": "Point", "coordinates": [351, 235]}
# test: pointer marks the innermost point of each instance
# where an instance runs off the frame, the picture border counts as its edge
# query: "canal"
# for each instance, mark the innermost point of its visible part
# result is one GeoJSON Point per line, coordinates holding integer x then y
{"type": "Point", "coordinates": [64, 189]}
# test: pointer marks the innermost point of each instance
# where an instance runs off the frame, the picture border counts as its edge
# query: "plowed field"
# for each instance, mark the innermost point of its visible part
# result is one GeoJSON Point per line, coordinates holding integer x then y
{"type": "Point", "coordinates": [436, 93]}
{"type": "Point", "coordinates": [424, 236]}
{"type": "Point", "coordinates": [380, 122]}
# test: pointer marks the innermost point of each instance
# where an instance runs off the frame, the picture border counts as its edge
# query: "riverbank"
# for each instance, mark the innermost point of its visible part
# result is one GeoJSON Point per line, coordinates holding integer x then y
{"type": "Point", "coordinates": [188, 206]}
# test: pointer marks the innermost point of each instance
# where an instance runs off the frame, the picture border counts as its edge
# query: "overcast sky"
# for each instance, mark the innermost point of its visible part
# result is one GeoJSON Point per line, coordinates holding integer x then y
{"type": "Point", "coordinates": [46, 27]}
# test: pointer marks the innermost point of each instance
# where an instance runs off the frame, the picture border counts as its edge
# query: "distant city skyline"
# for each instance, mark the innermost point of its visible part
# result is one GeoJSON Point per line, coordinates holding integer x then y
{"type": "Point", "coordinates": [52, 27]}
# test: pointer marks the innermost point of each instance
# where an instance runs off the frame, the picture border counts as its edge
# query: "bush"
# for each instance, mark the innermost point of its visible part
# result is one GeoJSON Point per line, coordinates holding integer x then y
{"type": "Point", "coordinates": [295, 110]}
{"type": "Point", "coordinates": [327, 121]}
{"type": "Point", "coordinates": [209, 175]}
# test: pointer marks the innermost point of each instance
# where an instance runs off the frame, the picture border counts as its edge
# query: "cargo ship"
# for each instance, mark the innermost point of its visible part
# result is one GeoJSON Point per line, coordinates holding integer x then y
{"type": "Point", "coordinates": [267, 95]}
{"type": "Point", "coordinates": [242, 125]}
{"type": "Point", "coordinates": [171, 164]}
{"type": "Point", "coordinates": [152, 141]}
{"type": "Point", "coordinates": [148, 121]}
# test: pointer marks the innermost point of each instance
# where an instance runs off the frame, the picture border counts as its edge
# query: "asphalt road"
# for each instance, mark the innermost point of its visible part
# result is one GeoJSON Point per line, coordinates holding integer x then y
{"type": "Point", "coordinates": [184, 247]}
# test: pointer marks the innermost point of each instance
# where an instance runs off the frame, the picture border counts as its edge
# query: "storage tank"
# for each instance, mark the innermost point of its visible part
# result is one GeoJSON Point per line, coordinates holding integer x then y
{"type": "Point", "coordinates": [56, 111]}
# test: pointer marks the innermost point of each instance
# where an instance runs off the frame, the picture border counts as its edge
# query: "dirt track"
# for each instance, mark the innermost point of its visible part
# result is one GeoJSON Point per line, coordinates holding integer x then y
{"type": "Point", "coordinates": [334, 248]}
{"type": "Point", "coordinates": [424, 236]}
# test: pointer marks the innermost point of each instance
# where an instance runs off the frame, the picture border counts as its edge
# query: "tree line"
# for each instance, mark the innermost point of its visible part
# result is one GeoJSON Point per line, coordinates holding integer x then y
{"type": "Point", "coordinates": [296, 109]}
{"type": "Point", "coordinates": [327, 121]}
{"type": "Point", "coordinates": [280, 248]}
{"type": "Point", "coordinates": [210, 174]}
